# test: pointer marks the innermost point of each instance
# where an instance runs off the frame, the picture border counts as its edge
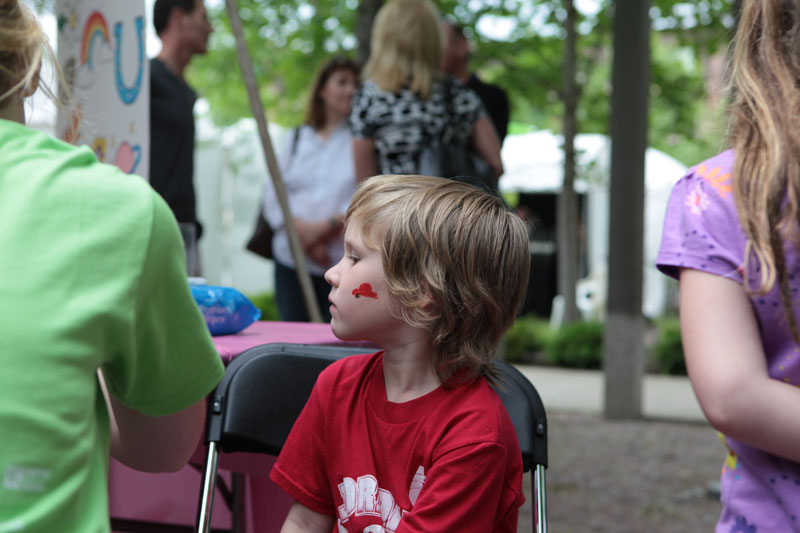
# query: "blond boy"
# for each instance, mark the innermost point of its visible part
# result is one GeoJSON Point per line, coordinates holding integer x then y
{"type": "Point", "coordinates": [413, 438]}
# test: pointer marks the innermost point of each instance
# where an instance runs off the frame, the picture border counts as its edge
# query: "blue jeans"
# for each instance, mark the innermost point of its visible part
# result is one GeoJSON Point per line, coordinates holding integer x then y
{"type": "Point", "coordinates": [289, 295]}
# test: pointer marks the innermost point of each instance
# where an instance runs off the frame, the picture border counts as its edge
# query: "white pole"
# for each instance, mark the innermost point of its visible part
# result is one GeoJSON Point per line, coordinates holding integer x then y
{"type": "Point", "coordinates": [272, 163]}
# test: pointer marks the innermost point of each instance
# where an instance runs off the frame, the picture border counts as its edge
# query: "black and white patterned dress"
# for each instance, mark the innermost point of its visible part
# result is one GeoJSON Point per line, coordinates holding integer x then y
{"type": "Point", "coordinates": [402, 125]}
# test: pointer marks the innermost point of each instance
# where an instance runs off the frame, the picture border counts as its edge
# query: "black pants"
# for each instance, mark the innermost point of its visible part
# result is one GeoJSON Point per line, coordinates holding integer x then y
{"type": "Point", "coordinates": [289, 295]}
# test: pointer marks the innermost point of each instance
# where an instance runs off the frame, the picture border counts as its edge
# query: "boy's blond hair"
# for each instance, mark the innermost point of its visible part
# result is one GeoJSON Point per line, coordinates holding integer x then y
{"type": "Point", "coordinates": [406, 47]}
{"type": "Point", "coordinates": [456, 260]}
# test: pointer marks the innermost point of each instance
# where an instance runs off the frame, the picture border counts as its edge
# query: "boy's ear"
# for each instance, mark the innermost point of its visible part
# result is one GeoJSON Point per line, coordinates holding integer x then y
{"type": "Point", "coordinates": [429, 306]}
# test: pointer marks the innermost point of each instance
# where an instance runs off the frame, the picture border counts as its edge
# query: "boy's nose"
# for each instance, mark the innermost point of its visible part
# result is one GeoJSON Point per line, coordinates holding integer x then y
{"type": "Point", "coordinates": [331, 277]}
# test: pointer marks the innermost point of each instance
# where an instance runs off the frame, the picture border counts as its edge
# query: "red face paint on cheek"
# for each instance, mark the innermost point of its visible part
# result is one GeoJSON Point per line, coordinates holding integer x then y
{"type": "Point", "coordinates": [365, 290]}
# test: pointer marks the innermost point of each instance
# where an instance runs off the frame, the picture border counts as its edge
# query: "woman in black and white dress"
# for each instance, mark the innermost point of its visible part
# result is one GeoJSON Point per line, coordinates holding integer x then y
{"type": "Point", "coordinates": [400, 109]}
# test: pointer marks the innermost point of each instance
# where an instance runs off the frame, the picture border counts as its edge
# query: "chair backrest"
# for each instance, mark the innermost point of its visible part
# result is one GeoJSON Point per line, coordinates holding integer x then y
{"type": "Point", "coordinates": [527, 413]}
{"type": "Point", "coordinates": [263, 392]}
{"type": "Point", "coordinates": [265, 389]}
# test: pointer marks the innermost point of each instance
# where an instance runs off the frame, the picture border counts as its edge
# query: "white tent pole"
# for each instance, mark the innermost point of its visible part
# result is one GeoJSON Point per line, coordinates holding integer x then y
{"type": "Point", "coordinates": [272, 163]}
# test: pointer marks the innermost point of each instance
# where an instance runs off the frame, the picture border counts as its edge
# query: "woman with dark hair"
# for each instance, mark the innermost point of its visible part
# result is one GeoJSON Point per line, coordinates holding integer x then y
{"type": "Point", "coordinates": [317, 167]}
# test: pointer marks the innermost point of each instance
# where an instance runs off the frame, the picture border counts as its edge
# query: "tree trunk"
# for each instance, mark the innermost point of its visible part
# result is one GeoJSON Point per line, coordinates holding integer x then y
{"type": "Point", "coordinates": [567, 201]}
{"type": "Point", "coordinates": [623, 350]}
{"type": "Point", "coordinates": [367, 9]}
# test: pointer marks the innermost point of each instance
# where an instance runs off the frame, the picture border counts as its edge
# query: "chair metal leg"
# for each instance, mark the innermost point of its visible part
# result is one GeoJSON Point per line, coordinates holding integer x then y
{"type": "Point", "coordinates": [221, 488]}
{"type": "Point", "coordinates": [238, 502]}
{"type": "Point", "coordinates": [541, 500]}
{"type": "Point", "coordinates": [207, 496]}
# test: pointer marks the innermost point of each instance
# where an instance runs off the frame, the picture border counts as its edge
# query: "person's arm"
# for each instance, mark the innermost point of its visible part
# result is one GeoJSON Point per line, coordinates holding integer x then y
{"type": "Point", "coordinates": [163, 362]}
{"type": "Point", "coordinates": [487, 144]}
{"type": "Point", "coordinates": [153, 443]}
{"type": "Point", "coordinates": [319, 254]}
{"type": "Point", "coordinates": [312, 232]}
{"type": "Point", "coordinates": [503, 115]}
{"type": "Point", "coordinates": [301, 519]}
{"type": "Point", "coordinates": [727, 366]}
{"type": "Point", "coordinates": [364, 158]}
{"type": "Point", "coordinates": [314, 237]}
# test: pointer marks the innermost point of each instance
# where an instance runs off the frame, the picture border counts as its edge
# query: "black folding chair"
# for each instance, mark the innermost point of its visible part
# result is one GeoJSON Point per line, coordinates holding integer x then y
{"type": "Point", "coordinates": [265, 388]}
{"type": "Point", "coordinates": [527, 413]}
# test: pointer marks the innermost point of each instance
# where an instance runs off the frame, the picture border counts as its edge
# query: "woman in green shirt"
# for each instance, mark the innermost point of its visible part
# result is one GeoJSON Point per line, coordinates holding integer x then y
{"type": "Point", "coordinates": [93, 300]}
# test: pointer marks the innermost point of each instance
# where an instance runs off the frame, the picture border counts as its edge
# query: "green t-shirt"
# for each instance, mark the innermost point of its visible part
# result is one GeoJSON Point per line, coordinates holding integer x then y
{"type": "Point", "coordinates": [92, 275]}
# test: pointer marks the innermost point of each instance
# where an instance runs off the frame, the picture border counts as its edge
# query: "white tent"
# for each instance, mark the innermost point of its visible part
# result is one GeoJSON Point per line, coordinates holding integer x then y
{"type": "Point", "coordinates": [230, 180]}
{"type": "Point", "coordinates": [534, 164]}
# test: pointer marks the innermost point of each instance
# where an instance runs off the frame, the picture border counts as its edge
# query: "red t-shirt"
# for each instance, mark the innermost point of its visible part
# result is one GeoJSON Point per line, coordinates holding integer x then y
{"type": "Point", "coordinates": [447, 461]}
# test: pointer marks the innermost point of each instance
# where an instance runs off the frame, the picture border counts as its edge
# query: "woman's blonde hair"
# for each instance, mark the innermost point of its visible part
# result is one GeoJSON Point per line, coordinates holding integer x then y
{"type": "Point", "coordinates": [22, 46]}
{"type": "Point", "coordinates": [455, 259]}
{"type": "Point", "coordinates": [764, 131]}
{"type": "Point", "coordinates": [406, 47]}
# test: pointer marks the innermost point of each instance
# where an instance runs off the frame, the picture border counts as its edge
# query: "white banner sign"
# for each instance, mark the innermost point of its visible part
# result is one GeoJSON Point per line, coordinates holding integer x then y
{"type": "Point", "coordinates": [101, 48]}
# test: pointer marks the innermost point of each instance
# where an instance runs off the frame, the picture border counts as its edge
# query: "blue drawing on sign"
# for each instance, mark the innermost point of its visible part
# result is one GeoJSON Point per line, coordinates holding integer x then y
{"type": "Point", "coordinates": [129, 94]}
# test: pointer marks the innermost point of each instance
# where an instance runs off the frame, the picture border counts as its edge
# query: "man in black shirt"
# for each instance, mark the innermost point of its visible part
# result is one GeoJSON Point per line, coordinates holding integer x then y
{"type": "Point", "coordinates": [183, 27]}
{"type": "Point", "coordinates": [455, 61]}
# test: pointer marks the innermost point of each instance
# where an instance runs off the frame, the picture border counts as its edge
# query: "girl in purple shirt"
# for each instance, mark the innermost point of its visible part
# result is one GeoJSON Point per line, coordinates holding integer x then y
{"type": "Point", "coordinates": [731, 237]}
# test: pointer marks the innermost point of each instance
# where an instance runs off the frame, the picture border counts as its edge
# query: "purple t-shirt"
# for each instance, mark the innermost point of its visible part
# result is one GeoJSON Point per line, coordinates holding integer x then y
{"type": "Point", "coordinates": [760, 492]}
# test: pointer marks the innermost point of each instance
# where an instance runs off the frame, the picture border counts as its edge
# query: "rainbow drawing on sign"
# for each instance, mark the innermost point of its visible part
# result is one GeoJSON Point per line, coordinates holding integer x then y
{"type": "Point", "coordinates": [95, 27]}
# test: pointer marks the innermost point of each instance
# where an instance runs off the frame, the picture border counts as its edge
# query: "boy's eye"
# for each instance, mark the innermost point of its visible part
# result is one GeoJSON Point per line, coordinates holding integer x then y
{"type": "Point", "coordinates": [353, 258]}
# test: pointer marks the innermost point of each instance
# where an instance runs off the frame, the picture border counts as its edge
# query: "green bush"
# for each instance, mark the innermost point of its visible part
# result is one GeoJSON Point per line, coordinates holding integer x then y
{"type": "Point", "coordinates": [266, 302]}
{"type": "Point", "coordinates": [577, 345]}
{"type": "Point", "coordinates": [669, 349]}
{"type": "Point", "coordinates": [528, 335]}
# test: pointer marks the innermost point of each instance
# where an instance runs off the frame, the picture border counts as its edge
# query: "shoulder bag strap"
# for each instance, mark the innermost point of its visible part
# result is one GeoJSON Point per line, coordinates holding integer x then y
{"type": "Point", "coordinates": [295, 136]}
{"type": "Point", "coordinates": [293, 150]}
{"type": "Point", "coordinates": [447, 130]}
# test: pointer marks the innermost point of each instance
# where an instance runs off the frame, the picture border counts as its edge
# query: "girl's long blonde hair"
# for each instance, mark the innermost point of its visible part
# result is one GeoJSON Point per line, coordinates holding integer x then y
{"type": "Point", "coordinates": [764, 131]}
{"type": "Point", "coordinates": [23, 46]}
{"type": "Point", "coordinates": [406, 47]}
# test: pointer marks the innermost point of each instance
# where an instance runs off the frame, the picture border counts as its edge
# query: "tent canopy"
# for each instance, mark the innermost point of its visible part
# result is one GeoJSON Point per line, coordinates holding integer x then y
{"type": "Point", "coordinates": [534, 163]}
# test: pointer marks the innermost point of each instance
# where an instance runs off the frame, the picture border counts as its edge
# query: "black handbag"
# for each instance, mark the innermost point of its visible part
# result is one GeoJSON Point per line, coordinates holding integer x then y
{"type": "Point", "coordinates": [261, 241]}
{"type": "Point", "coordinates": [458, 158]}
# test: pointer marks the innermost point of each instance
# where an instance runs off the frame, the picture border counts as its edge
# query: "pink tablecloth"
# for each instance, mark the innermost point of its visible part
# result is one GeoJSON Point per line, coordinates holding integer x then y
{"type": "Point", "coordinates": [172, 498]}
{"type": "Point", "coordinates": [229, 346]}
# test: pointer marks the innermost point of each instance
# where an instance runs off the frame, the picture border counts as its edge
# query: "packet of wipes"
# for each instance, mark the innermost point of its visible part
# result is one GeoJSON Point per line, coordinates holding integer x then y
{"type": "Point", "coordinates": [225, 309]}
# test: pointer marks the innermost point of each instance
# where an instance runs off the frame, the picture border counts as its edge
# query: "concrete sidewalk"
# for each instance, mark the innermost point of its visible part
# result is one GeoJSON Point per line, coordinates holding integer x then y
{"type": "Point", "coordinates": [663, 397]}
